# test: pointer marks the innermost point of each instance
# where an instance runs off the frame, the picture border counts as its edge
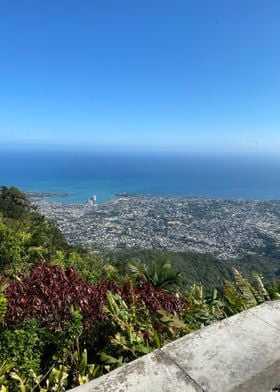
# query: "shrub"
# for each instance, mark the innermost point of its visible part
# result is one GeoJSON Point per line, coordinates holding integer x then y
{"type": "Point", "coordinates": [156, 298]}
{"type": "Point", "coordinates": [49, 292]}
{"type": "Point", "coordinates": [22, 347]}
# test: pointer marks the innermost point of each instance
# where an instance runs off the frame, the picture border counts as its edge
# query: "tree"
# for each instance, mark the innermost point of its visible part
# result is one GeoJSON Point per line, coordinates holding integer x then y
{"type": "Point", "coordinates": [160, 273]}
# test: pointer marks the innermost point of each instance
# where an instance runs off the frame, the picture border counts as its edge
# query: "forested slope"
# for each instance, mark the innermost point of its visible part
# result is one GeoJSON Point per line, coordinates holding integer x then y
{"type": "Point", "coordinates": [67, 316]}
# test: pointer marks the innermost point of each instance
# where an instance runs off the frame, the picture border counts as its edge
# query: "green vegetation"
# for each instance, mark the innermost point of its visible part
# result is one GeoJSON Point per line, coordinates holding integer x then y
{"type": "Point", "coordinates": [68, 316]}
{"type": "Point", "coordinates": [195, 267]}
{"type": "Point", "coordinates": [27, 237]}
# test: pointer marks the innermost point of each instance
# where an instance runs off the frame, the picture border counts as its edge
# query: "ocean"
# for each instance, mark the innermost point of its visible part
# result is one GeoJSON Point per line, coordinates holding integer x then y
{"type": "Point", "coordinates": [83, 174]}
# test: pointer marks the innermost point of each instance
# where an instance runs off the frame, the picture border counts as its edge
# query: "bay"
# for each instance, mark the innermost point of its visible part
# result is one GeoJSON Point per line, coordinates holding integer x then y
{"type": "Point", "coordinates": [82, 174]}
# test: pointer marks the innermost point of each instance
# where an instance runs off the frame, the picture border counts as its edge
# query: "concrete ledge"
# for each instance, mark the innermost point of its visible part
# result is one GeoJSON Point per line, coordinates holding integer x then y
{"type": "Point", "coordinates": [241, 353]}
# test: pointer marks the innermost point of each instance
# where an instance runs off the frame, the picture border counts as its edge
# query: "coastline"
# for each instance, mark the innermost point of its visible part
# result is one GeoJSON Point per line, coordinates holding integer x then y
{"type": "Point", "coordinates": [58, 197]}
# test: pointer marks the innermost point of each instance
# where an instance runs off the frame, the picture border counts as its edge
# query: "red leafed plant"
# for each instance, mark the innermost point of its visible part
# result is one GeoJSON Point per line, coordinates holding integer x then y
{"type": "Point", "coordinates": [156, 298]}
{"type": "Point", "coordinates": [48, 293]}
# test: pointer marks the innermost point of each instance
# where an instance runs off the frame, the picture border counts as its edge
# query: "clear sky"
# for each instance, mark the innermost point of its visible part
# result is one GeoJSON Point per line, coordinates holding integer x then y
{"type": "Point", "coordinates": [190, 75]}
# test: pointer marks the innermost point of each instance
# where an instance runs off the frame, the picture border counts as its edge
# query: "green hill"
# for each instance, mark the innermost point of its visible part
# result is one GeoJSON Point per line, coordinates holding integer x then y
{"type": "Point", "coordinates": [68, 316]}
{"type": "Point", "coordinates": [196, 267]}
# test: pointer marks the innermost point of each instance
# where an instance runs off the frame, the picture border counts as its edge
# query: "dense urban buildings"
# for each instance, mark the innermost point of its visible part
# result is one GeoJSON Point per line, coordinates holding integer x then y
{"type": "Point", "coordinates": [224, 228]}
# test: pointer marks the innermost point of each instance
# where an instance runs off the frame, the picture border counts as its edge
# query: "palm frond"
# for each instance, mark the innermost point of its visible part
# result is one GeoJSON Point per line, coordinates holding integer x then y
{"type": "Point", "coordinates": [137, 269]}
{"type": "Point", "coordinates": [245, 288]}
{"type": "Point", "coordinates": [260, 290]}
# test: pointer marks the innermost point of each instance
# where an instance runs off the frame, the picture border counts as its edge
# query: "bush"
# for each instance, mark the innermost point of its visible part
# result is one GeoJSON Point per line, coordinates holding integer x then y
{"type": "Point", "coordinates": [49, 292]}
{"type": "Point", "coordinates": [156, 298]}
{"type": "Point", "coordinates": [23, 347]}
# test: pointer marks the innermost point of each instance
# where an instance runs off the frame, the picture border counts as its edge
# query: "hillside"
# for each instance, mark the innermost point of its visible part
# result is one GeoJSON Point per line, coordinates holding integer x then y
{"type": "Point", "coordinates": [34, 237]}
{"type": "Point", "coordinates": [68, 316]}
{"type": "Point", "coordinates": [197, 267]}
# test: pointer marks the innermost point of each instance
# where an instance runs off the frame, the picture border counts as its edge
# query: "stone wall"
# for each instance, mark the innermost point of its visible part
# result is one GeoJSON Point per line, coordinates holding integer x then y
{"type": "Point", "coordinates": [241, 353]}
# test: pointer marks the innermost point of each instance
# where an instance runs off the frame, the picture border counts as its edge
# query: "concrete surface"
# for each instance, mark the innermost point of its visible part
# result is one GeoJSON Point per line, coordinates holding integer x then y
{"type": "Point", "coordinates": [241, 353]}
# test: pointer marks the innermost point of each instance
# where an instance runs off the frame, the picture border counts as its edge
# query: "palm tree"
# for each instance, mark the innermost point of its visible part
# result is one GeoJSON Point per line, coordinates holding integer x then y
{"type": "Point", "coordinates": [160, 273]}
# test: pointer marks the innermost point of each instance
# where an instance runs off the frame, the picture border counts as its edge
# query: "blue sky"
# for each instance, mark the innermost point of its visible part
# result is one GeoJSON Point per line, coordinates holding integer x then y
{"type": "Point", "coordinates": [182, 75]}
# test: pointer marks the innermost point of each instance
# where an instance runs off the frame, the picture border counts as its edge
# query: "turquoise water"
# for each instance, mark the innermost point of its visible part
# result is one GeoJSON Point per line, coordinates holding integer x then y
{"type": "Point", "coordinates": [82, 175]}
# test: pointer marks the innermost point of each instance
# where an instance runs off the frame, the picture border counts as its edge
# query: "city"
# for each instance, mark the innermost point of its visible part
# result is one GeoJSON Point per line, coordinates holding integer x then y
{"type": "Point", "coordinates": [224, 228]}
